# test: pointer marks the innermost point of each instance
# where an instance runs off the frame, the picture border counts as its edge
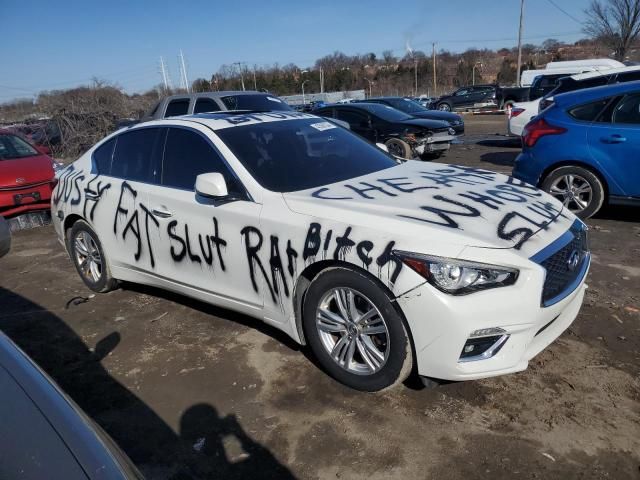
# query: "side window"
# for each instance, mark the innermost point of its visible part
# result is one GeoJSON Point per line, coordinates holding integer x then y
{"type": "Point", "coordinates": [137, 155]}
{"type": "Point", "coordinates": [102, 157]}
{"type": "Point", "coordinates": [355, 119]}
{"type": "Point", "coordinates": [186, 155]}
{"type": "Point", "coordinates": [206, 105]}
{"type": "Point", "coordinates": [594, 82]}
{"type": "Point", "coordinates": [589, 111]}
{"type": "Point", "coordinates": [180, 106]}
{"type": "Point", "coordinates": [461, 93]}
{"type": "Point", "coordinates": [628, 76]}
{"type": "Point", "coordinates": [628, 110]}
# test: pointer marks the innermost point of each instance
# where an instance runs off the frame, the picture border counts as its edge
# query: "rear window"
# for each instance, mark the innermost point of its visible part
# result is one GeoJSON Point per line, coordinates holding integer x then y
{"type": "Point", "coordinates": [177, 107]}
{"type": "Point", "coordinates": [12, 146]}
{"type": "Point", "coordinates": [296, 155]}
{"type": "Point", "coordinates": [257, 102]}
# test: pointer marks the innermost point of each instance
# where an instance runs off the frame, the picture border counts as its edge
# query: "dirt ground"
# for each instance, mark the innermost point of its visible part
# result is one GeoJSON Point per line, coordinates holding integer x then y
{"type": "Point", "coordinates": [191, 391]}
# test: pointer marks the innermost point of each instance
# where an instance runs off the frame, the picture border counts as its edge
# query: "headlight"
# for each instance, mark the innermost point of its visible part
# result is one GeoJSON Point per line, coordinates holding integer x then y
{"type": "Point", "coordinates": [458, 277]}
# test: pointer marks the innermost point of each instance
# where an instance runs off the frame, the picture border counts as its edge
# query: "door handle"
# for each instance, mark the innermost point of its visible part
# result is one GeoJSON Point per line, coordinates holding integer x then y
{"type": "Point", "coordinates": [614, 139]}
{"type": "Point", "coordinates": [162, 212]}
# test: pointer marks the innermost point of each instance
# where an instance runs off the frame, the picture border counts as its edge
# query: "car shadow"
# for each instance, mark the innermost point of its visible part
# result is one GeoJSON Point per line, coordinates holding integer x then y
{"type": "Point", "coordinates": [622, 213]}
{"type": "Point", "coordinates": [195, 452]}
{"type": "Point", "coordinates": [503, 159]}
{"type": "Point", "coordinates": [501, 142]}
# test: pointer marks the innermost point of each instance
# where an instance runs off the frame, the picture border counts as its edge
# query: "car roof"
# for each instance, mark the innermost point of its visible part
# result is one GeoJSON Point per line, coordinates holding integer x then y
{"type": "Point", "coordinates": [224, 93]}
{"type": "Point", "coordinates": [588, 94]}
{"type": "Point", "coordinates": [227, 119]}
{"type": "Point", "coordinates": [602, 73]}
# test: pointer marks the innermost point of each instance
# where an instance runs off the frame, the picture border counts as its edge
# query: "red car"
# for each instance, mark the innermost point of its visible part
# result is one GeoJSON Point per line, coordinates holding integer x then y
{"type": "Point", "coordinates": [26, 176]}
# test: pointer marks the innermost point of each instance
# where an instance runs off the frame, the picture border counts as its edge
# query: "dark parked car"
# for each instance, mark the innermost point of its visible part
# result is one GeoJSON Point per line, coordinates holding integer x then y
{"type": "Point", "coordinates": [468, 97]}
{"type": "Point", "coordinates": [584, 148]}
{"type": "Point", "coordinates": [44, 433]}
{"type": "Point", "coordinates": [413, 108]}
{"type": "Point", "coordinates": [204, 102]}
{"type": "Point", "coordinates": [405, 136]}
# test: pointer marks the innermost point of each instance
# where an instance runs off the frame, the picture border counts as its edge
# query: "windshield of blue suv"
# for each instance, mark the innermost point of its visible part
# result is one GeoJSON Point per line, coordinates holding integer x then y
{"type": "Point", "coordinates": [294, 155]}
{"type": "Point", "coordinates": [257, 102]}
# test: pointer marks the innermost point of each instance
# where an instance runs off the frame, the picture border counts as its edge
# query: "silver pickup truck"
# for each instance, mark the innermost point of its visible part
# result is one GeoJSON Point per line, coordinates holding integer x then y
{"type": "Point", "coordinates": [189, 103]}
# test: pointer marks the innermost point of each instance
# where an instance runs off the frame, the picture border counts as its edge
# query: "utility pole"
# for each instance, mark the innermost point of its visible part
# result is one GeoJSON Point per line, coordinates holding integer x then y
{"type": "Point", "coordinates": [241, 76]}
{"type": "Point", "coordinates": [415, 64]}
{"type": "Point", "coordinates": [255, 84]}
{"type": "Point", "coordinates": [435, 88]}
{"type": "Point", "coordinates": [183, 73]}
{"type": "Point", "coordinates": [163, 72]}
{"type": "Point", "coordinates": [321, 80]}
{"type": "Point", "coordinates": [520, 42]}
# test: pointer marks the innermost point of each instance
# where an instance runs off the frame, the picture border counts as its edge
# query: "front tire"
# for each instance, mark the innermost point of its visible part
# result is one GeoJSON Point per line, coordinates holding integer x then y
{"type": "Point", "coordinates": [444, 107]}
{"type": "Point", "coordinates": [399, 148]}
{"type": "Point", "coordinates": [89, 259]}
{"type": "Point", "coordinates": [355, 332]}
{"type": "Point", "coordinates": [579, 189]}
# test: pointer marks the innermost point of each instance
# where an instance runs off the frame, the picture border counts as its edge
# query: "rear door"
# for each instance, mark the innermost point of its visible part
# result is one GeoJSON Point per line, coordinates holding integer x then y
{"type": "Point", "coordinates": [127, 166]}
{"type": "Point", "coordinates": [615, 143]}
{"type": "Point", "coordinates": [358, 121]}
{"type": "Point", "coordinates": [198, 239]}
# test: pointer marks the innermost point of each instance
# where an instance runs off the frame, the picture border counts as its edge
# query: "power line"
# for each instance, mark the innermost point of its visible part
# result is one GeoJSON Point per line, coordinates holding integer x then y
{"type": "Point", "coordinates": [565, 12]}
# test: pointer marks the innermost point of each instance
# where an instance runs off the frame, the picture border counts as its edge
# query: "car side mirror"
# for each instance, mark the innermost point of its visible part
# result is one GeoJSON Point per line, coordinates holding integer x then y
{"type": "Point", "coordinates": [42, 149]}
{"type": "Point", "coordinates": [211, 185]}
{"type": "Point", "coordinates": [382, 146]}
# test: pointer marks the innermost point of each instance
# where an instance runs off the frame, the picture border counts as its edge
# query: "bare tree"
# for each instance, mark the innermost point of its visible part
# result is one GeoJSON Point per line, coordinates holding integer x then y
{"type": "Point", "coordinates": [615, 22]}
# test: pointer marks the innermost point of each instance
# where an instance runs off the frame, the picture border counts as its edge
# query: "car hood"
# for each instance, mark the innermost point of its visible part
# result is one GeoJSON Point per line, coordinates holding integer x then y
{"type": "Point", "coordinates": [426, 202]}
{"type": "Point", "coordinates": [426, 123]}
{"type": "Point", "coordinates": [438, 115]}
{"type": "Point", "coordinates": [25, 171]}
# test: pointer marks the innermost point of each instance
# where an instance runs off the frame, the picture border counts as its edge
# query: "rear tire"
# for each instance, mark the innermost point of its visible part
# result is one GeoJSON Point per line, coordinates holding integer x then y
{"type": "Point", "coordinates": [87, 255]}
{"type": "Point", "coordinates": [399, 148]}
{"type": "Point", "coordinates": [577, 188]}
{"type": "Point", "coordinates": [355, 332]}
{"type": "Point", "coordinates": [444, 107]}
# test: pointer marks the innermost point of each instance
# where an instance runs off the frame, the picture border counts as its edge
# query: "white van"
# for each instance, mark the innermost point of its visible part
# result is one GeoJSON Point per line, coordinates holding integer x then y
{"type": "Point", "coordinates": [570, 67]}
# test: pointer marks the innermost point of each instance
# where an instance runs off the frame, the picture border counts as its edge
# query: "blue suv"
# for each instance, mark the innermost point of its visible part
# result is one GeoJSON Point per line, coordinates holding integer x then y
{"type": "Point", "coordinates": [584, 149]}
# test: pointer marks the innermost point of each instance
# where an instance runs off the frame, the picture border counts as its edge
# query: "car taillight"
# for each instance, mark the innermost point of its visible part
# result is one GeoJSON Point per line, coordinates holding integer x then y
{"type": "Point", "coordinates": [537, 129]}
{"type": "Point", "coordinates": [516, 111]}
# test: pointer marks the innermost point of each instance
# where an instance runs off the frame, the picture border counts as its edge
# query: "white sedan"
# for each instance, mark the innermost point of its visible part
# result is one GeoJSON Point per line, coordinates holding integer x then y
{"type": "Point", "coordinates": [520, 114]}
{"type": "Point", "coordinates": [382, 267]}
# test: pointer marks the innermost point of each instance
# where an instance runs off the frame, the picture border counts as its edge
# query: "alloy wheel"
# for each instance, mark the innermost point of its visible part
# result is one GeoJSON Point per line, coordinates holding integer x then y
{"type": "Point", "coordinates": [353, 331]}
{"type": "Point", "coordinates": [574, 191]}
{"type": "Point", "coordinates": [88, 256]}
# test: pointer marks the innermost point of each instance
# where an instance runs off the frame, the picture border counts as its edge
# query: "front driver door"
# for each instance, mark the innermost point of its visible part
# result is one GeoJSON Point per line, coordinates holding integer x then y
{"type": "Point", "coordinates": [616, 145]}
{"type": "Point", "coordinates": [199, 241]}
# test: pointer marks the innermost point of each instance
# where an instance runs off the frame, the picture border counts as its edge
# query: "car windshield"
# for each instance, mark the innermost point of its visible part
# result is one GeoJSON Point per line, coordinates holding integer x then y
{"type": "Point", "coordinates": [12, 146]}
{"type": "Point", "coordinates": [406, 105]}
{"type": "Point", "coordinates": [385, 112]}
{"type": "Point", "coordinates": [265, 103]}
{"type": "Point", "coordinates": [294, 155]}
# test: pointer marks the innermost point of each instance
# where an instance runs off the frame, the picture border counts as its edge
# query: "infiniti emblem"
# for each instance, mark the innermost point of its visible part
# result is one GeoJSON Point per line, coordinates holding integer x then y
{"type": "Point", "coordinates": [573, 260]}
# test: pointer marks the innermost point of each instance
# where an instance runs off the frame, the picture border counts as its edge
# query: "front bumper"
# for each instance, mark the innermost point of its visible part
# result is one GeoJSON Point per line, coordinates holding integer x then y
{"type": "Point", "coordinates": [436, 143]}
{"type": "Point", "coordinates": [441, 325]}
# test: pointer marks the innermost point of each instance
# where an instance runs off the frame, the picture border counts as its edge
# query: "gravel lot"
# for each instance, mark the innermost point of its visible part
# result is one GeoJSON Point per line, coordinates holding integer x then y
{"type": "Point", "coordinates": [191, 391]}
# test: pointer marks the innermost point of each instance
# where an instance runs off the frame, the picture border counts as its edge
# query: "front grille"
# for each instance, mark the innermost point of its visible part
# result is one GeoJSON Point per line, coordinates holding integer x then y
{"type": "Point", "coordinates": [565, 266]}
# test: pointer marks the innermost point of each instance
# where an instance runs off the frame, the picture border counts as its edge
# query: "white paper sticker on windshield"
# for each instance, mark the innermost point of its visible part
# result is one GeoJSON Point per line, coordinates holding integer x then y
{"type": "Point", "coordinates": [322, 126]}
{"type": "Point", "coordinates": [274, 99]}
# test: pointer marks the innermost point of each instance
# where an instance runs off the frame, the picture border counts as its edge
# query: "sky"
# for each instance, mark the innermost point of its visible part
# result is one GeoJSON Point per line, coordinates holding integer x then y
{"type": "Point", "coordinates": [46, 45]}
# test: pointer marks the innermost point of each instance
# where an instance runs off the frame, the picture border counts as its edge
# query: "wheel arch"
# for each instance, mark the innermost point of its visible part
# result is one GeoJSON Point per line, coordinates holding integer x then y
{"type": "Point", "coordinates": [68, 223]}
{"type": "Point", "coordinates": [576, 163]}
{"type": "Point", "coordinates": [312, 271]}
